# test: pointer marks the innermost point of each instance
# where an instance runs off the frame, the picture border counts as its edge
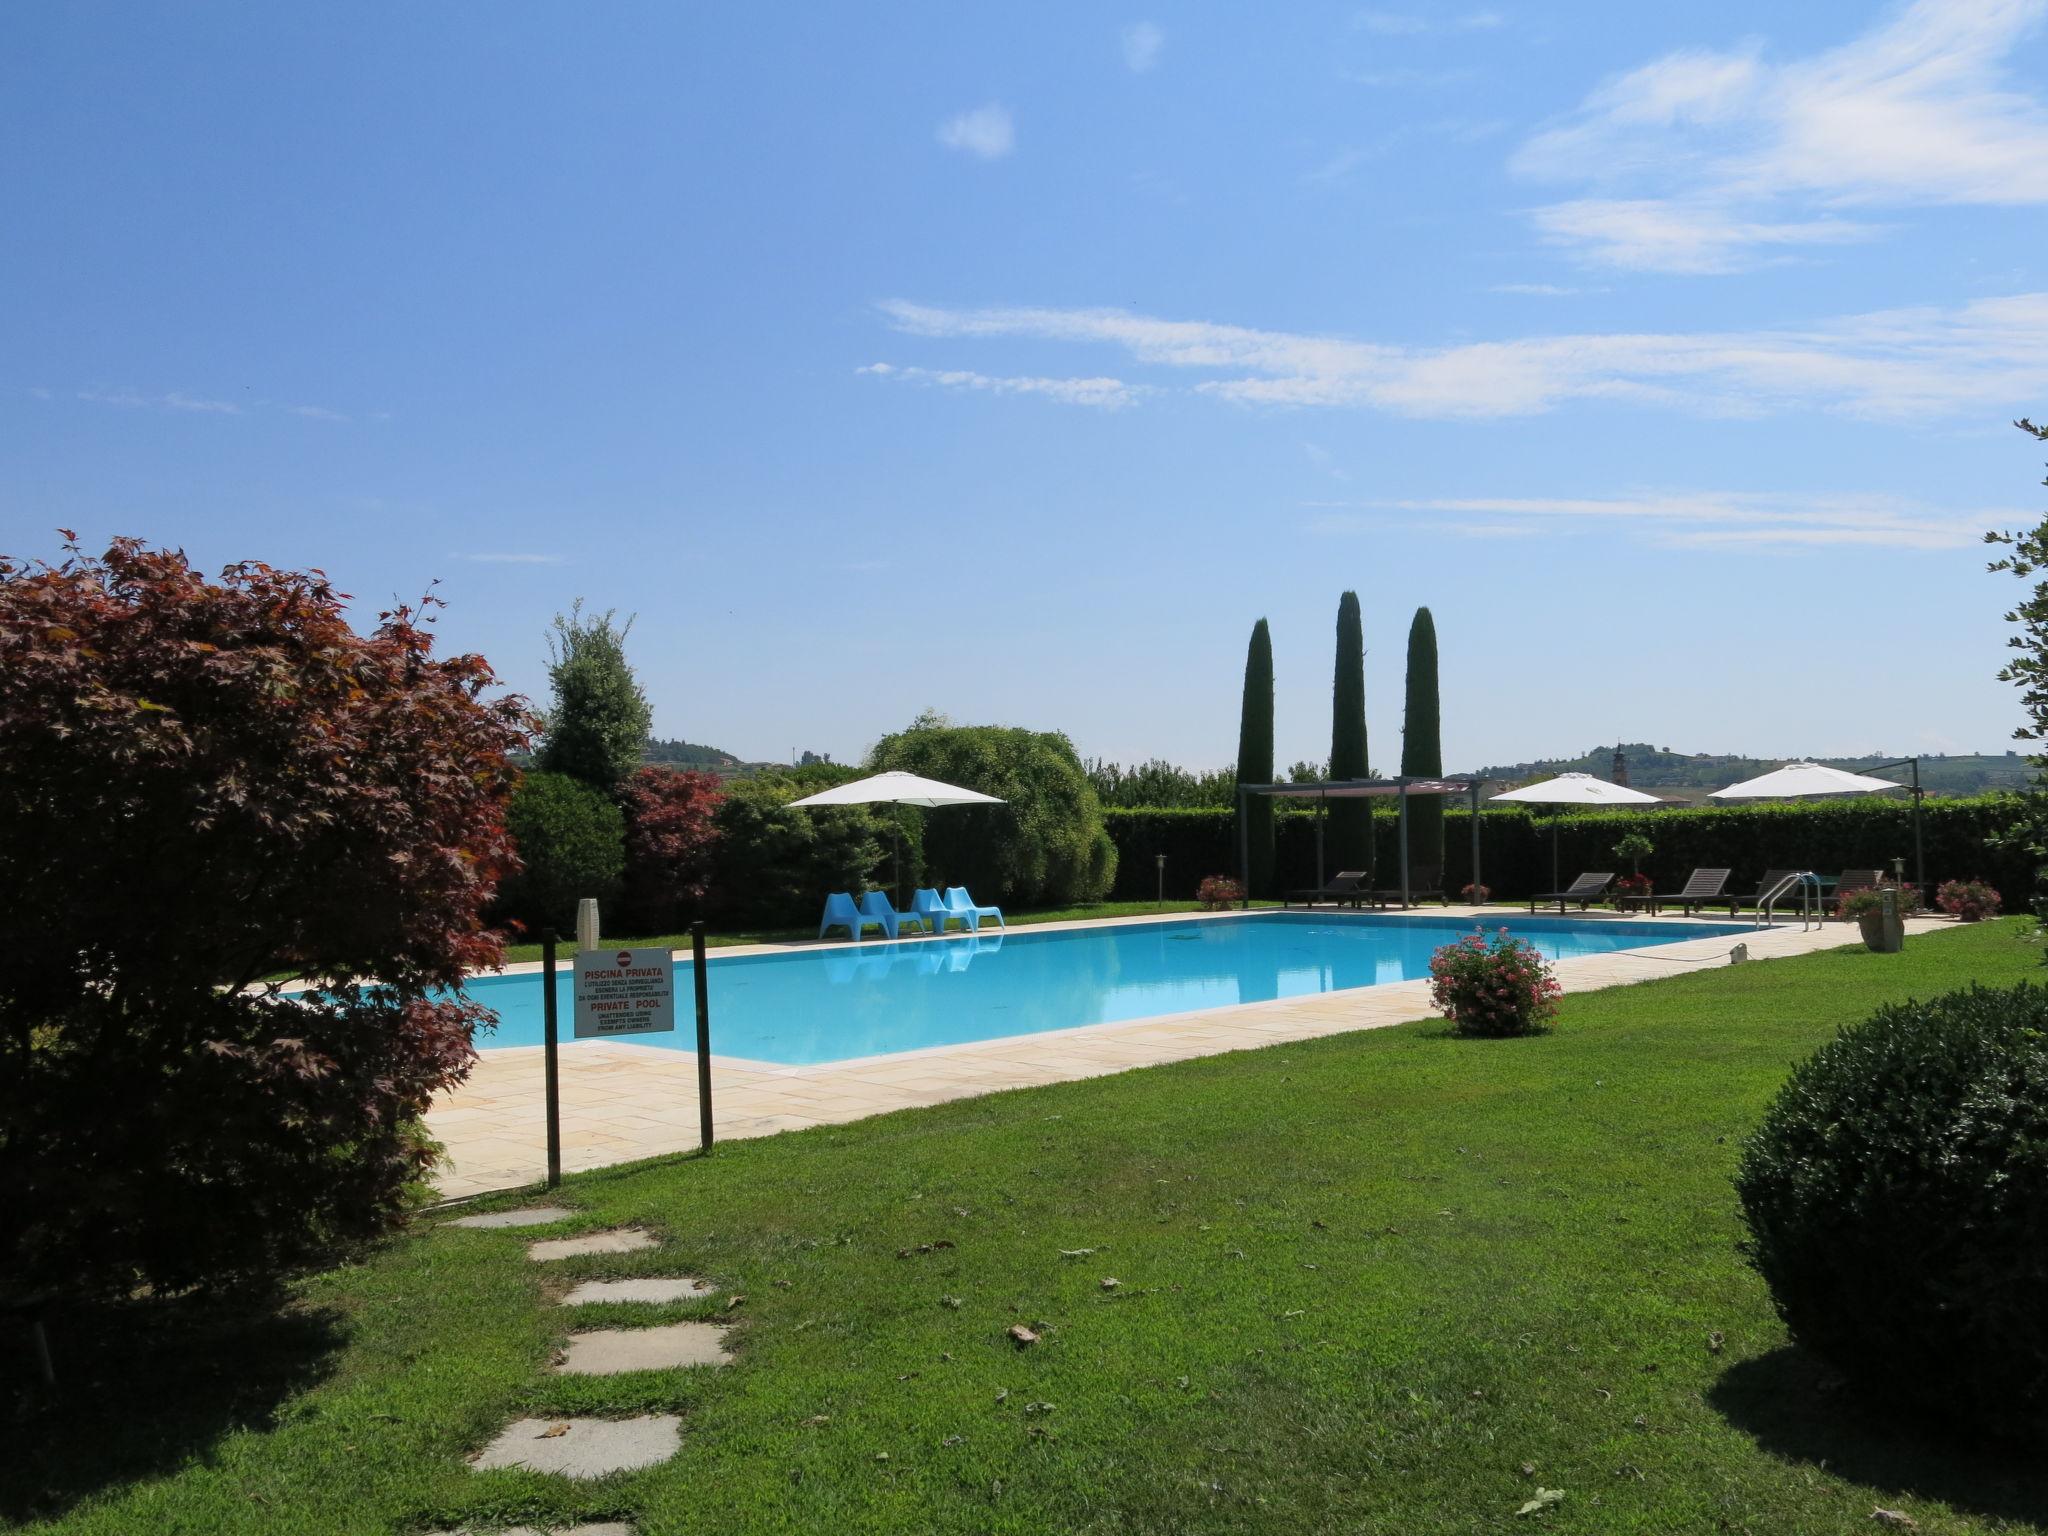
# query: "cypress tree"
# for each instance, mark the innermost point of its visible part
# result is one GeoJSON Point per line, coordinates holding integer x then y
{"type": "Point", "coordinates": [1348, 843]}
{"type": "Point", "coordinates": [1255, 755]}
{"type": "Point", "coordinates": [1422, 745]}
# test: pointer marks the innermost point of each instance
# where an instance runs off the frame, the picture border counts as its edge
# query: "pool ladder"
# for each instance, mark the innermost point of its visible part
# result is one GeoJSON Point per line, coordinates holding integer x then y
{"type": "Point", "coordinates": [1808, 885]}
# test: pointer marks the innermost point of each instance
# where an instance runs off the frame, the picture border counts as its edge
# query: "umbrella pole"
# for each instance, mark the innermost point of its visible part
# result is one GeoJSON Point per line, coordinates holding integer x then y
{"type": "Point", "coordinates": [896, 856]}
{"type": "Point", "coordinates": [1555, 878]}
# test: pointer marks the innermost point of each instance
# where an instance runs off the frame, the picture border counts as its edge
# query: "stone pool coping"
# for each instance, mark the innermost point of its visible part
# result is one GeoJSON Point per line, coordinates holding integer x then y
{"type": "Point", "coordinates": [622, 1101]}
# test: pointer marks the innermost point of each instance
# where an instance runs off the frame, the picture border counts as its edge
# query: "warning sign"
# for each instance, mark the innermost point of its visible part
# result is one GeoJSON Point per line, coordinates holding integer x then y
{"type": "Point", "coordinates": [624, 992]}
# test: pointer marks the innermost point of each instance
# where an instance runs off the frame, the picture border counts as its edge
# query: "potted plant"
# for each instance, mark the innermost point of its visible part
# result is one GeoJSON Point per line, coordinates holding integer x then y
{"type": "Point", "coordinates": [1867, 907]}
{"type": "Point", "coordinates": [1635, 886]}
{"type": "Point", "coordinates": [1219, 893]}
{"type": "Point", "coordinates": [1477, 894]}
{"type": "Point", "coordinates": [1970, 900]}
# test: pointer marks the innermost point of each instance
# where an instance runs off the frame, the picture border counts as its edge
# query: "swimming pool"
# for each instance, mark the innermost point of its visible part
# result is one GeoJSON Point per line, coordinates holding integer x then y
{"type": "Point", "coordinates": [799, 1007]}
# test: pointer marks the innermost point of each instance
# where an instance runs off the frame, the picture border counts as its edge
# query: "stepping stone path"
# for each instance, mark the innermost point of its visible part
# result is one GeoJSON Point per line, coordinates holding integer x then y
{"type": "Point", "coordinates": [592, 1291]}
{"type": "Point", "coordinates": [625, 1240]}
{"type": "Point", "coordinates": [531, 1216]}
{"type": "Point", "coordinates": [583, 1447]}
{"type": "Point", "coordinates": [614, 1351]}
{"type": "Point", "coordinates": [601, 1528]}
{"type": "Point", "coordinates": [599, 1447]}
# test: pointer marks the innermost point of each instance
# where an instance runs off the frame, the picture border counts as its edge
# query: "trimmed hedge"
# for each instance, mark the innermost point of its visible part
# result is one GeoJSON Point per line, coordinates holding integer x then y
{"type": "Point", "coordinates": [1515, 844]}
{"type": "Point", "coordinates": [1895, 1195]}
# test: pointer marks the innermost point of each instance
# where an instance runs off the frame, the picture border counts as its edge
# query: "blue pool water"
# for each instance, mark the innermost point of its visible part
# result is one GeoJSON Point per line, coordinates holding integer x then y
{"type": "Point", "coordinates": [835, 1003]}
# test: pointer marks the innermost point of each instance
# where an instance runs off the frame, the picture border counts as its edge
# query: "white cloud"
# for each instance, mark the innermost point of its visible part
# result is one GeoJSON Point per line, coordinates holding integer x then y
{"type": "Point", "coordinates": [1979, 358]}
{"type": "Point", "coordinates": [987, 131]}
{"type": "Point", "coordinates": [1390, 23]}
{"type": "Point", "coordinates": [316, 413]}
{"type": "Point", "coordinates": [1536, 290]}
{"type": "Point", "coordinates": [1142, 42]}
{"type": "Point", "coordinates": [1104, 394]}
{"type": "Point", "coordinates": [1709, 161]}
{"type": "Point", "coordinates": [176, 400]}
{"type": "Point", "coordinates": [1698, 519]}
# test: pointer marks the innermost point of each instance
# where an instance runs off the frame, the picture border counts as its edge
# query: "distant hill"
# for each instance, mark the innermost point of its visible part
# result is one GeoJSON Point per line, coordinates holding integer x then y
{"type": "Point", "coordinates": [1694, 775]}
{"type": "Point", "coordinates": [686, 754]}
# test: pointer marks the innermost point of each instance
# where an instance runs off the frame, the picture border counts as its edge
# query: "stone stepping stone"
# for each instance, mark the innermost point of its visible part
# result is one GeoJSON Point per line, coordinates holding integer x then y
{"type": "Point", "coordinates": [614, 1351]}
{"type": "Point", "coordinates": [531, 1216]}
{"type": "Point", "coordinates": [584, 1447]}
{"type": "Point", "coordinates": [685, 1288]}
{"type": "Point", "coordinates": [602, 1528]}
{"type": "Point", "coordinates": [625, 1240]}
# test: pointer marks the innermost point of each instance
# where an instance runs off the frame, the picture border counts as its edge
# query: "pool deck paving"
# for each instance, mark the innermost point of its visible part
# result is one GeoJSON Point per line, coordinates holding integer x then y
{"type": "Point", "coordinates": [622, 1102]}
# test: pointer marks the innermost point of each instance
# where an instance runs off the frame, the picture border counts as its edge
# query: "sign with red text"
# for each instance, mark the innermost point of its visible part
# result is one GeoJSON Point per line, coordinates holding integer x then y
{"type": "Point", "coordinates": [624, 992]}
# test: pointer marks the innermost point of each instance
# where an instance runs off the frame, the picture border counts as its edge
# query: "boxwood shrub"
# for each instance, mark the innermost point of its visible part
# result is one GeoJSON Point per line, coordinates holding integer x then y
{"type": "Point", "coordinates": [1897, 1200]}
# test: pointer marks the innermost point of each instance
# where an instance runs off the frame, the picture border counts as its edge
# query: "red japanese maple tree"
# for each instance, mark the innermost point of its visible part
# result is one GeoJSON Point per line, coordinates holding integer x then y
{"type": "Point", "coordinates": [204, 784]}
{"type": "Point", "coordinates": [670, 833]}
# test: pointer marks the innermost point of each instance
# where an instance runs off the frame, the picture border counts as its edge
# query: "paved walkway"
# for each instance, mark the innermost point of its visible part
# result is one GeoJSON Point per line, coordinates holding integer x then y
{"type": "Point", "coordinates": [621, 1102]}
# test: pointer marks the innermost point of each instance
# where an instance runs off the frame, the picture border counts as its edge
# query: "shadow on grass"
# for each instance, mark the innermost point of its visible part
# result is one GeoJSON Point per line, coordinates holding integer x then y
{"type": "Point", "coordinates": [142, 1388]}
{"type": "Point", "coordinates": [1794, 1407]}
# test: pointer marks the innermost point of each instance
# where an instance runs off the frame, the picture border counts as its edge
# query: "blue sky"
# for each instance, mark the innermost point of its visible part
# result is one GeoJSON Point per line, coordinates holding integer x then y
{"type": "Point", "coordinates": [1012, 362]}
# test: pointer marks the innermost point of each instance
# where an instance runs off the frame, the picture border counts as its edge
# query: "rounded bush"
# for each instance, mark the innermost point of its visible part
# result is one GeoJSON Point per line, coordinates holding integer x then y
{"type": "Point", "coordinates": [572, 844]}
{"type": "Point", "coordinates": [1494, 989]}
{"type": "Point", "coordinates": [1897, 1200]}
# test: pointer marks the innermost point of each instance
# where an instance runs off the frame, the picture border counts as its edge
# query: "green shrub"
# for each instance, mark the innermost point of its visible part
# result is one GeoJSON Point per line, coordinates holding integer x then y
{"type": "Point", "coordinates": [1043, 846]}
{"type": "Point", "coordinates": [1255, 758]}
{"type": "Point", "coordinates": [1348, 838]}
{"type": "Point", "coordinates": [1897, 1199]}
{"type": "Point", "coordinates": [773, 867]}
{"type": "Point", "coordinates": [572, 844]}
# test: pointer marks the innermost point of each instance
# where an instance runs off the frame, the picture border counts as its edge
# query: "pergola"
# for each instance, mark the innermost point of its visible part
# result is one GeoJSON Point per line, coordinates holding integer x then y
{"type": "Point", "coordinates": [1322, 791]}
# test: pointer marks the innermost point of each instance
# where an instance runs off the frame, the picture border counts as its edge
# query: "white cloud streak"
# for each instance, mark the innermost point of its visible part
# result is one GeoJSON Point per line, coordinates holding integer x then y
{"type": "Point", "coordinates": [175, 400]}
{"type": "Point", "coordinates": [987, 132]}
{"type": "Point", "coordinates": [1101, 393]}
{"type": "Point", "coordinates": [1987, 356]}
{"type": "Point", "coordinates": [1698, 519]}
{"type": "Point", "coordinates": [1142, 42]}
{"type": "Point", "coordinates": [1709, 161]}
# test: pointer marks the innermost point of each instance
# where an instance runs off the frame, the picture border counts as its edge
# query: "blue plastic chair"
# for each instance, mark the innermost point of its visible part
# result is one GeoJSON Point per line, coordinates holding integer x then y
{"type": "Point", "coordinates": [961, 905]}
{"type": "Point", "coordinates": [875, 908]}
{"type": "Point", "coordinates": [931, 906]}
{"type": "Point", "coordinates": [840, 912]}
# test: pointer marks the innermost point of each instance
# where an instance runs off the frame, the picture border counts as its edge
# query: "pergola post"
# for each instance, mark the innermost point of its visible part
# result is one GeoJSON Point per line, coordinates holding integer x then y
{"type": "Point", "coordinates": [1322, 801]}
{"type": "Point", "coordinates": [1478, 888]}
{"type": "Point", "coordinates": [1244, 852]}
{"type": "Point", "coordinates": [1404, 845]}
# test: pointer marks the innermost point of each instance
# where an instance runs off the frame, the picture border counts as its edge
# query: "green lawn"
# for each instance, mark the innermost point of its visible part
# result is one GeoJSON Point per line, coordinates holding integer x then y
{"type": "Point", "coordinates": [1364, 1281]}
{"type": "Point", "coordinates": [1099, 909]}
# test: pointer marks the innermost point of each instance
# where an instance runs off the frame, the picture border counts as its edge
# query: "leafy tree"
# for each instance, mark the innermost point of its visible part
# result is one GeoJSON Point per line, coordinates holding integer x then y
{"type": "Point", "coordinates": [598, 726]}
{"type": "Point", "coordinates": [1160, 783]}
{"type": "Point", "coordinates": [572, 844]}
{"type": "Point", "coordinates": [1350, 835]}
{"type": "Point", "coordinates": [1045, 845]}
{"type": "Point", "coordinates": [772, 866]}
{"type": "Point", "coordinates": [2028, 671]}
{"type": "Point", "coordinates": [1422, 744]}
{"type": "Point", "coordinates": [203, 784]}
{"type": "Point", "coordinates": [1255, 756]}
{"type": "Point", "coordinates": [671, 827]}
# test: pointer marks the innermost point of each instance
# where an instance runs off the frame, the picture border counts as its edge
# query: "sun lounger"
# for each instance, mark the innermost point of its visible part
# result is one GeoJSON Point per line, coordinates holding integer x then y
{"type": "Point", "coordinates": [961, 905]}
{"type": "Point", "coordinates": [1585, 890]}
{"type": "Point", "coordinates": [1423, 880]}
{"type": "Point", "coordinates": [875, 908]}
{"type": "Point", "coordinates": [1347, 885]}
{"type": "Point", "coordinates": [1703, 888]}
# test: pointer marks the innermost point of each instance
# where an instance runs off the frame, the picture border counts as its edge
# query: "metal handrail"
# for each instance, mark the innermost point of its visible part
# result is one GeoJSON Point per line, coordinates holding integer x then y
{"type": "Point", "coordinates": [1809, 885]}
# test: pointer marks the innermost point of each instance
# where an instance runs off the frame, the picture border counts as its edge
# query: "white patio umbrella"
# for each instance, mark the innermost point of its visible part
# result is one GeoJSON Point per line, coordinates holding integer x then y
{"type": "Point", "coordinates": [896, 788]}
{"type": "Point", "coordinates": [1800, 780]}
{"type": "Point", "coordinates": [1795, 779]}
{"type": "Point", "coordinates": [1573, 789]}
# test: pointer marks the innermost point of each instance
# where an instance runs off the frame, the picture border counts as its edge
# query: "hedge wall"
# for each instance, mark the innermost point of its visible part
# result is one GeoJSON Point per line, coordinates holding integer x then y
{"type": "Point", "coordinates": [1515, 844]}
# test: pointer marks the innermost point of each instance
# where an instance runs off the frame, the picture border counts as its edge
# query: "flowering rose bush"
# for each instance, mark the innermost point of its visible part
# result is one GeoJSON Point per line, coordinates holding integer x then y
{"type": "Point", "coordinates": [1971, 900]}
{"type": "Point", "coordinates": [1870, 900]}
{"type": "Point", "coordinates": [1476, 892]}
{"type": "Point", "coordinates": [1219, 893]}
{"type": "Point", "coordinates": [1500, 988]}
{"type": "Point", "coordinates": [1633, 885]}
